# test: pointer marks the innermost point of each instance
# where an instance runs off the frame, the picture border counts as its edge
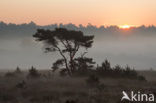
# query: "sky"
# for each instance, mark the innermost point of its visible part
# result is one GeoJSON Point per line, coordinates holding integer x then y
{"type": "Point", "coordinates": [96, 12]}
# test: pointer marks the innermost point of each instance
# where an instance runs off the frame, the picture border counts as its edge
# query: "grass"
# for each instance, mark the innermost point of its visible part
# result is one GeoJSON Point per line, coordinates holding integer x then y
{"type": "Point", "coordinates": [57, 89]}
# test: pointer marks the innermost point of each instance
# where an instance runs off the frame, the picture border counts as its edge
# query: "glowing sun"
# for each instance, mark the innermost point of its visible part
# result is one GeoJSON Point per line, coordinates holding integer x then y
{"type": "Point", "coordinates": [124, 26]}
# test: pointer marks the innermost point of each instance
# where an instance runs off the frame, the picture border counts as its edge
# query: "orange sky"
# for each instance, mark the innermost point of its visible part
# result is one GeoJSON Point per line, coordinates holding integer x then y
{"type": "Point", "coordinates": [96, 12]}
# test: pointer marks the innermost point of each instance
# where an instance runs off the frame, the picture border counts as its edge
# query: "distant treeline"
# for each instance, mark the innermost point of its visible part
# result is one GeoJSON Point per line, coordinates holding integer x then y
{"type": "Point", "coordinates": [27, 29]}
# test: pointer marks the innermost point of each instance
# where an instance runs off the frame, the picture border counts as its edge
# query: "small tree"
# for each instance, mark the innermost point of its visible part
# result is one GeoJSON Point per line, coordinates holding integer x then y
{"type": "Point", "coordinates": [33, 73]}
{"type": "Point", "coordinates": [67, 43]}
{"type": "Point", "coordinates": [105, 69]}
{"type": "Point", "coordinates": [18, 70]}
{"type": "Point", "coordinates": [106, 65]}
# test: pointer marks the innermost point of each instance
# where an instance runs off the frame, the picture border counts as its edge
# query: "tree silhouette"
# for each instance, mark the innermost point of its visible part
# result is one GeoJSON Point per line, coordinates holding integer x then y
{"type": "Point", "coordinates": [106, 65]}
{"type": "Point", "coordinates": [33, 73]}
{"type": "Point", "coordinates": [67, 43]}
{"type": "Point", "coordinates": [18, 70]}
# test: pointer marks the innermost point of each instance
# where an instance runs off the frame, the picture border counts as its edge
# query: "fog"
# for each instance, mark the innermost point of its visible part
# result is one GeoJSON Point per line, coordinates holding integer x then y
{"type": "Point", "coordinates": [135, 47]}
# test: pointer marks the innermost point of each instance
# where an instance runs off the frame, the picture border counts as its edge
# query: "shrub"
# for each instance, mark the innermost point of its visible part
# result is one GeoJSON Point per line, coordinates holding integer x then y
{"type": "Point", "coordinates": [18, 70]}
{"type": "Point", "coordinates": [33, 73]}
{"type": "Point", "coordinates": [105, 70]}
{"type": "Point", "coordinates": [10, 74]}
{"type": "Point", "coordinates": [141, 78]}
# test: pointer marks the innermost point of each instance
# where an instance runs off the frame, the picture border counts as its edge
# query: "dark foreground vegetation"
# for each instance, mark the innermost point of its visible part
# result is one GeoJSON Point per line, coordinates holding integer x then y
{"type": "Point", "coordinates": [43, 86]}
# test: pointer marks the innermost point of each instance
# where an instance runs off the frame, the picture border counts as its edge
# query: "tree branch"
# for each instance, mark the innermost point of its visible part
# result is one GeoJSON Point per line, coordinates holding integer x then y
{"type": "Point", "coordinates": [64, 59]}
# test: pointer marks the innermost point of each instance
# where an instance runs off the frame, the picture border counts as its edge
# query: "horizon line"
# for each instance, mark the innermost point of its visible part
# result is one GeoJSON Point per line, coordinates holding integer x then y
{"type": "Point", "coordinates": [131, 26]}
